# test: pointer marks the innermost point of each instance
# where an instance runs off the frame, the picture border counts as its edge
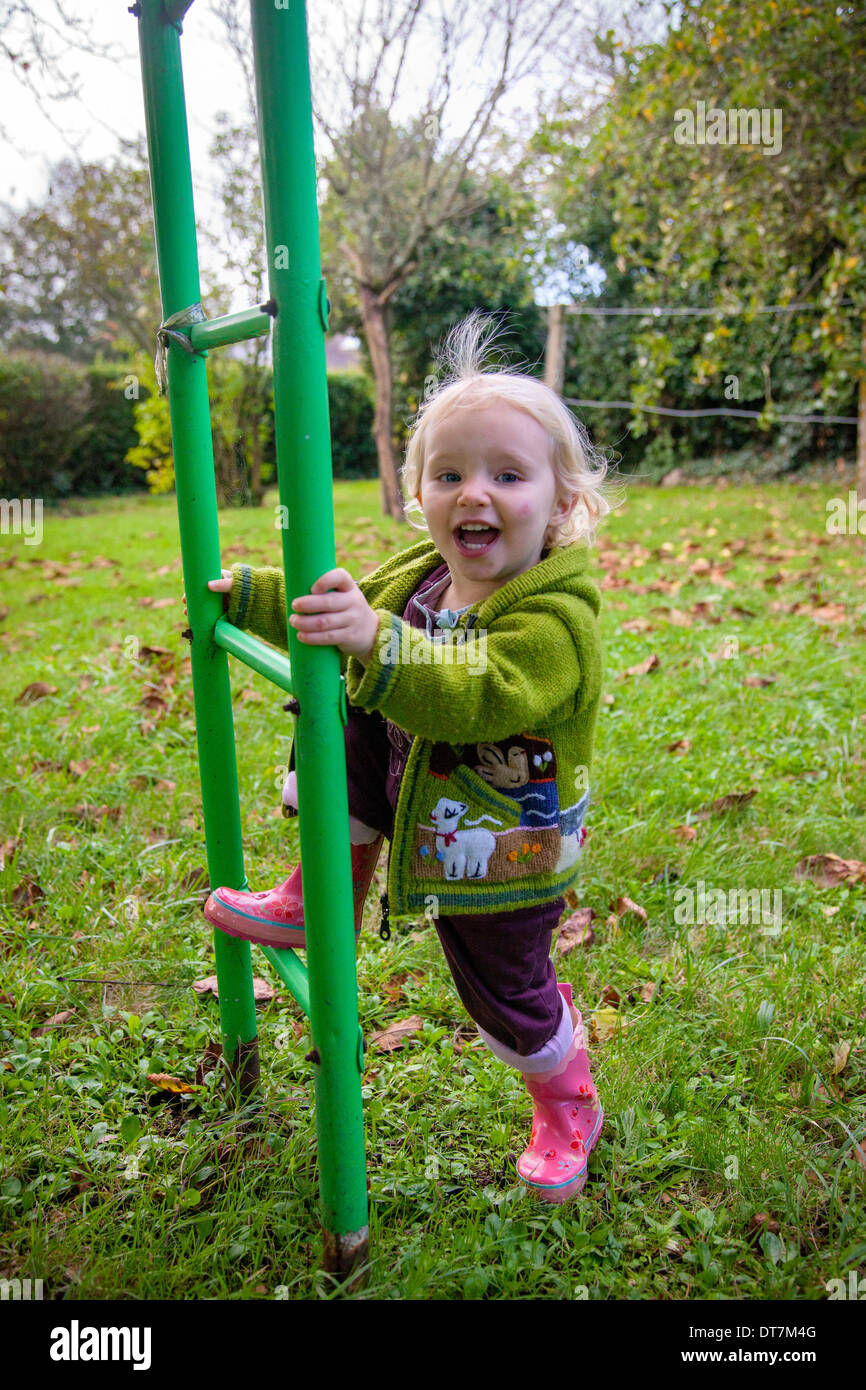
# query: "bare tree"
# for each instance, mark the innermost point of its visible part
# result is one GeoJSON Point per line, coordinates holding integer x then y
{"type": "Point", "coordinates": [38, 47]}
{"type": "Point", "coordinates": [403, 162]}
{"type": "Point", "coordinates": [399, 182]}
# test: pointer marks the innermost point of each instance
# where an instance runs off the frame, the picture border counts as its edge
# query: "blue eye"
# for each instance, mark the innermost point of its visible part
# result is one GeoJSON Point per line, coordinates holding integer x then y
{"type": "Point", "coordinates": [507, 472]}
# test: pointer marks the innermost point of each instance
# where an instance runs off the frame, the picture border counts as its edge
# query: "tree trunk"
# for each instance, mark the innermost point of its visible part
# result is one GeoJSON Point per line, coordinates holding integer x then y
{"type": "Point", "coordinates": [257, 487]}
{"type": "Point", "coordinates": [253, 408]}
{"type": "Point", "coordinates": [861, 422]}
{"type": "Point", "coordinates": [373, 317]}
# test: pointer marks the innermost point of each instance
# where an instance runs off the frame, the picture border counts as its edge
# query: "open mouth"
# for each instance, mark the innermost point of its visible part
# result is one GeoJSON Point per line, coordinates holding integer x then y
{"type": "Point", "coordinates": [472, 540]}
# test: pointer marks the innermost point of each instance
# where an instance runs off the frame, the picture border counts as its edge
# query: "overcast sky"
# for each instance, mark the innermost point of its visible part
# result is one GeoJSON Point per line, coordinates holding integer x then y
{"type": "Point", "coordinates": [110, 104]}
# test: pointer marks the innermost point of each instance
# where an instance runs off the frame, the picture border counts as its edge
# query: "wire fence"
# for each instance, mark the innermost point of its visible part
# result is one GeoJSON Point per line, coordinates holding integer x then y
{"type": "Point", "coordinates": [718, 410]}
{"type": "Point", "coordinates": [659, 311]}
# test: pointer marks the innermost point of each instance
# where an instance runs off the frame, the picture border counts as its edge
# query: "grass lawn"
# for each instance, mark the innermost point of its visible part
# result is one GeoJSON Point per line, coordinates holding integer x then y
{"type": "Point", "coordinates": [729, 1054]}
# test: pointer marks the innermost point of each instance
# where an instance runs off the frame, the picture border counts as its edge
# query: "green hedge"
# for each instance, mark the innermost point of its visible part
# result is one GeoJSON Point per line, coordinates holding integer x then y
{"type": "Point", "coordinates": [351, 404]}
{"type": "Point", "coordinates": [64, 428]}
{"type": "Point", "coordinates": [351, 407]}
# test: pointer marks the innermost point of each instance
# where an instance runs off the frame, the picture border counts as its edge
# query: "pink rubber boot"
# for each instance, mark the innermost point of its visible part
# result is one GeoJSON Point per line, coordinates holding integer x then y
{"type": "Point", "coordinates": [566, 1120]}
{"type": "Point", "coordinates": [276, 917]}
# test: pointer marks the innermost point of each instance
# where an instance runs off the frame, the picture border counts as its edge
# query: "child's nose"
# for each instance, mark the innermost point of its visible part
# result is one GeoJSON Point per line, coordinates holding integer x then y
{"type": "Point", "coordinates": [473, 491]}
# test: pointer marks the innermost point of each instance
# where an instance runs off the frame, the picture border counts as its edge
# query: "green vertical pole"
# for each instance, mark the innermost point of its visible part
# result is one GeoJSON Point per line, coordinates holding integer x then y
{"type": "Point", "coordinates": [303, 445]}
{"type": "Point", "coordinates": [177, 257]}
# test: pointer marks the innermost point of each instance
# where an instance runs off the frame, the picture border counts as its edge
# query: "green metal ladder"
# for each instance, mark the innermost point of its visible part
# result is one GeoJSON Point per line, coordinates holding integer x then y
{"type": "Point", "coordinates": [297, 316]}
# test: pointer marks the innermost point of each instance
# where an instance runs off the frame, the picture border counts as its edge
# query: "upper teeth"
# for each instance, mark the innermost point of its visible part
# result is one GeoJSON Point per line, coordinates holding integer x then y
{"type": "Point", "coordinates": [474, 526]}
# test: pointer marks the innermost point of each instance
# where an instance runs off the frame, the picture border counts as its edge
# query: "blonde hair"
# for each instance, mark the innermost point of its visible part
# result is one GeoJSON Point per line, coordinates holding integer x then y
{"type": "Point", "coordinates": [578, 466]}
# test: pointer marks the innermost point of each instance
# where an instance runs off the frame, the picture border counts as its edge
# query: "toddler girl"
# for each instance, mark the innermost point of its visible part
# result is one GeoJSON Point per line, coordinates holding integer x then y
{"type": "Point", "coordinates": [473, 670]}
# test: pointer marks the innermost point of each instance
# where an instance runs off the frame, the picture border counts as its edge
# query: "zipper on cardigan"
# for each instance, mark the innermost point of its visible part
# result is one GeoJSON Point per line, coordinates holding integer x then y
{"type": "Point", "coordinates": [385, 924]}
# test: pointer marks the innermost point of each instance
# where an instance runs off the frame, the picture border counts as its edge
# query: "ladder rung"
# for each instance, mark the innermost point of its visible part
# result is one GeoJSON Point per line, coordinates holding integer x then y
{"type": "Point", "coordinates": [255, 654]}
{"type": "Point", "coordinates": [230, 328]}
{"type": "Point", "coordinates": [292, 972]}
{"type": "Point", "coordinates": [295, 977]}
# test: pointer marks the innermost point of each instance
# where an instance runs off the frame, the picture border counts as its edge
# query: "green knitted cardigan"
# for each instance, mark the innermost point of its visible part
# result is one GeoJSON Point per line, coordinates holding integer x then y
{"type": "Point", "coordinates": [495, 787]}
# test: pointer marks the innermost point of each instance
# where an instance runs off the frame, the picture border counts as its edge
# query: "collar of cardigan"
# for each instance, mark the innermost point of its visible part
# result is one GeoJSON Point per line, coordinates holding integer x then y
{"type": "Point", "coordinates": [564, 569]}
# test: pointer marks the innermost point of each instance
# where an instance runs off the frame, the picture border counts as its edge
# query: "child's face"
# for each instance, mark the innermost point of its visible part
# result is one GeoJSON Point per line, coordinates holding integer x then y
{"type": "Point", "coordinates": [490, 465]}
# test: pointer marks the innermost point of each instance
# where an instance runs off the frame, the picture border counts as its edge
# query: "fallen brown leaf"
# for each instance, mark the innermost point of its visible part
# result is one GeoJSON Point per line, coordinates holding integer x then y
{"type": "Point", "coordinates": [682, 745]}
{"type": "Point", "coordinates": [643, 667]}
{"type": "Point", "coordinates": [675, 616]}
{"type": "Point", "coordinates": [760, 1223]}
{"type": "Point", "coordinates": [731, 802]}
{"type": "Point", "coordinates": [703, 608]}
{"type": "Point", "coordinates": [840, 1057]}
{"type": "Point", "coordinates": [154, 704]}
{"type": "Point", "coordinates": [27, 894]}
{"type": "Point", "coordinates": [625, 905]}
{"type": "Point", "coordinates": [605, 1023]}
{"type": "Point", "coordinates": [53, 1022]}
{"type": "Point", "coordinates": [86, 812]}
{"type": "Point", "coordinates": [390, 1038]}
{"type": "Point", "coordinates": [828, 613]}
{"type": "Point", "coordinates": [8, 851]}
{"type": "Point", "coordinates": [171, 1083]}
{"type": "Point", "coordinates": [393, 988]}
{"type": "Point", "coordinates": [576, 931]}
{"type": "Point", "coordinates": [828, 870]}
{"type": "Point", "coordinates": [36, 690]}
{"type": "Point", "coordinates": [685, 832]}
{"type": "Point", "coordinates": [263, 992]}
{"type": "Point", "coordinates": [163, 656]}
